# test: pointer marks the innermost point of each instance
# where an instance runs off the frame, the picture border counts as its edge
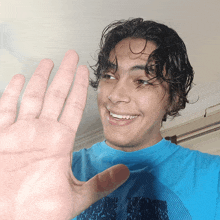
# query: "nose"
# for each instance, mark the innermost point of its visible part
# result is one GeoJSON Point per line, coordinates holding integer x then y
{"type": "Point", "coordinates": [120, 93]}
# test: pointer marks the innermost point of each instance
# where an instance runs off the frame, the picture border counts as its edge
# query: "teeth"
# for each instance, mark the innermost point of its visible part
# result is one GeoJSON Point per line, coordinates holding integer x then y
{"type": "Point", "coordinates": [122, 116]}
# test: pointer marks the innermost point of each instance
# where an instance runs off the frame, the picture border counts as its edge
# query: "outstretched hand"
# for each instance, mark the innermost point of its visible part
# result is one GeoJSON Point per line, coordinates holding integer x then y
{"type": "Point", "coordinates": [36, 179]}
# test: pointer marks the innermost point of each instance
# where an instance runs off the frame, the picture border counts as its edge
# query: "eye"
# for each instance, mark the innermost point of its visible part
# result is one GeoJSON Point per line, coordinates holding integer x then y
{"type": "Point", "coordinates": [108, 76]}
{"type": "Point", "coordinates": [142, 82]}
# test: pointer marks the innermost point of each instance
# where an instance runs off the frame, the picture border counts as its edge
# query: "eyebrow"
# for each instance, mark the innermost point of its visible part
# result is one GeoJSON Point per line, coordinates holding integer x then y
{"type": "Point", "coordinates": [133, 68]}
{"type": "Point", "coordinates": [137, 67]}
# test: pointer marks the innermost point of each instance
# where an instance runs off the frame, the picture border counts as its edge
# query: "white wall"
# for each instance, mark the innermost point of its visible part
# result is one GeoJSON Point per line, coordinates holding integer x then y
{"type": "Point", "coordinates": [209, 143]}
{"type": "Point", "coordinates": [200, 133]}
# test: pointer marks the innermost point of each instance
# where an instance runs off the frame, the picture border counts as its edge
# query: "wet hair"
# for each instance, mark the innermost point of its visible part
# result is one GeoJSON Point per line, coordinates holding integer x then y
{"type": "Point", "coordinates": [168, 62]}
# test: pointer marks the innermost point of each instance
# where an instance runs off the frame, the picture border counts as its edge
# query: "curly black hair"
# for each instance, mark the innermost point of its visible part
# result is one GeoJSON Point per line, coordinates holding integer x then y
{"type": "Point", "coordinates": [170, 55]}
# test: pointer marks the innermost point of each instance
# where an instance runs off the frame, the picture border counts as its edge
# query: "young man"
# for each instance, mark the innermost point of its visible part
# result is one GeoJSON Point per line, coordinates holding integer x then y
{"type": "Point", "coordinates": [143, 74]}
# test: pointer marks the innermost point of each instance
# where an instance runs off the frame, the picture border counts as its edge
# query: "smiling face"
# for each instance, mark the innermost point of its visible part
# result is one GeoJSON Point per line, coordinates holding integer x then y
{"type": "Point", "coordinates": [131, 109]}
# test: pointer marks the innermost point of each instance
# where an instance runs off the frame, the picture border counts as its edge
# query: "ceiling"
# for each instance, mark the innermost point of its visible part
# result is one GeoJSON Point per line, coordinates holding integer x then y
{"type": "Point", "coordinates": [32, 30]}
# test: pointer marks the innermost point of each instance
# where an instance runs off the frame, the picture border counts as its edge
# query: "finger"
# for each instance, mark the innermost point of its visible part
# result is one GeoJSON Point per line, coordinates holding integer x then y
{"type": "Point", "coordinates": [101, 185]}
{"type": "Point", "coordinates": [109, 180]}
{"type": "Point", "coordinates": [75, 104]}
{"type": "Point", "coordinates": [33, 97]}
{"type": "Point", "coordinates": [59, 88]}
{"type": "Point", "coordinates": [9, 100]}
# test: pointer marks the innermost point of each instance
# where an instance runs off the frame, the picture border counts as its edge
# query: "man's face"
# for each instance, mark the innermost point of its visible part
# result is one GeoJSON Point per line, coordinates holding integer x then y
{"type": "Point", "coordinates": [137, 107]}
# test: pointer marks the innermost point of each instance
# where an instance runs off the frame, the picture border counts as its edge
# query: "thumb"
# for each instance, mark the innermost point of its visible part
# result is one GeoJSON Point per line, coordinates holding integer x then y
{"type": "Point", "coordinates": [103, 184]}
{"type": "Point", "coordinates": [109, 180]}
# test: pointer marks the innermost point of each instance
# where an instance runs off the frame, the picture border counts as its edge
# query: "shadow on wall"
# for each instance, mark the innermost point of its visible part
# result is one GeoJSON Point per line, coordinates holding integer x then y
{"type": "Point", "coordinates": [173, 139]}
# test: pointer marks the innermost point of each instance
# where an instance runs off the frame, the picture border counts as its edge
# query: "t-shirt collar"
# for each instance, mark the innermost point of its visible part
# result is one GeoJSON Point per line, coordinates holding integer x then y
{"type": "Point", "coordinates": [149, 156]}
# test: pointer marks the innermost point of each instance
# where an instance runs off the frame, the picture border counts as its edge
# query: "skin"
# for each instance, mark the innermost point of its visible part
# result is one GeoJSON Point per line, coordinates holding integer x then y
{"type": "Point", "coordinates": [119, 92]}
{"type": "Point", "coordinates": [36, 179]}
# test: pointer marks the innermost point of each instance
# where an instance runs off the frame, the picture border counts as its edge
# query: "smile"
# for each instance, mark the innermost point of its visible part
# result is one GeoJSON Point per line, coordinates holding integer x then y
{"type": "Point", "coordinates": [120, 120]}
{"type": "Point", "coordinates": [122, 116]}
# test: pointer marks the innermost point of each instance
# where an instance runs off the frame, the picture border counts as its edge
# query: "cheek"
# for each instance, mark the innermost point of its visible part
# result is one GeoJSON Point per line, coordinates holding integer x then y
{"type": "Point", "coordinates": [153, 104]}
{"type": "Point", "coordinates": [99, 99]}
{"type": "Point", "coordinates": [102, 95]}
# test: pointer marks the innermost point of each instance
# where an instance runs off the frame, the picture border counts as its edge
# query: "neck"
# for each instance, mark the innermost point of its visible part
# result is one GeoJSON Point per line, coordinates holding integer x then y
{"type": "Point", "coordinates": [136, 145]}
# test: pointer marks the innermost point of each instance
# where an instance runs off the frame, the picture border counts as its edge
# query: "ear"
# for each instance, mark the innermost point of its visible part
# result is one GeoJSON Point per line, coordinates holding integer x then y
{"type": "Point", "coordinates": [173, 103]}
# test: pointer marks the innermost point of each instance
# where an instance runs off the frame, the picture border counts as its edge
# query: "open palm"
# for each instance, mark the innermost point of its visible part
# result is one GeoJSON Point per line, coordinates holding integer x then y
{"type": "Point", "coordinates": [36, 149]}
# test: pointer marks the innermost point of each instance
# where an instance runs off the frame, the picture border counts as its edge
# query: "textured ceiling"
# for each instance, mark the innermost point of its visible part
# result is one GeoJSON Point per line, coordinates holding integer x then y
{"type": "Point", "coordinates": [32, 30]}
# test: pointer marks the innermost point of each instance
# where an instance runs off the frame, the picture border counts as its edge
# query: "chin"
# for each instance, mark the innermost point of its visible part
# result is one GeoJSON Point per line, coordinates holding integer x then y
{"type": "Point", "coordinates": [120, 142]}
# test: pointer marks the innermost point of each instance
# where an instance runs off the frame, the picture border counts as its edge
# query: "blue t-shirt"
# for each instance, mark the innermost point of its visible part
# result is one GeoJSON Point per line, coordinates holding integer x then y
{"type": "Point", "coordinates": [167, 182]}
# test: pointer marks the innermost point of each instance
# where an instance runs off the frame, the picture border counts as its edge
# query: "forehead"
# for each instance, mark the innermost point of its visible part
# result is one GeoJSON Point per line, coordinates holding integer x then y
{"type": "Point", "coordinates": [133, 49]}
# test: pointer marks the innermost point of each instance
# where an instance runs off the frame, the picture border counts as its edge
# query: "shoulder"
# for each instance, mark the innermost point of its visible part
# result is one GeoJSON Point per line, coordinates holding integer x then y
{"type": "Point", "coordinates": [198, 158]}
{"type": "Point", "coordinates": [190, 169]}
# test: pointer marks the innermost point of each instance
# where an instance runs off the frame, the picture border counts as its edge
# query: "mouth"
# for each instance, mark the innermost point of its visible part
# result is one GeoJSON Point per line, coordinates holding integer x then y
{"type": "Point", "coordinates": [121, 120]}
